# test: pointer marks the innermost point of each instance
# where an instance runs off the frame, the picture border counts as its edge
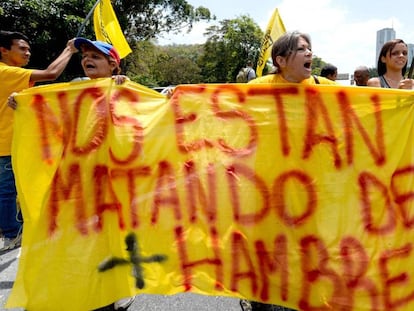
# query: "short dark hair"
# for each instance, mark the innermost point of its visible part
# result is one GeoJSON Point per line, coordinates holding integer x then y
{"type": "Point", "coordinates": [7, 37]}
{"type": "Point", "coordinates": [328, 69]}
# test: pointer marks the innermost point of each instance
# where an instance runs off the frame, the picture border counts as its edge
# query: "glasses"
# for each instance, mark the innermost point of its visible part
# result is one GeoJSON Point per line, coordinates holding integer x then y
{"type": "Point", "coordinates": [304, 50]}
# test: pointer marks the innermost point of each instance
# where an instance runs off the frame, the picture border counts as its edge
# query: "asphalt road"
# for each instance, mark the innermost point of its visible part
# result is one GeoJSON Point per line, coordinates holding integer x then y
{"type": "Point", "coordinates": [181, 302]}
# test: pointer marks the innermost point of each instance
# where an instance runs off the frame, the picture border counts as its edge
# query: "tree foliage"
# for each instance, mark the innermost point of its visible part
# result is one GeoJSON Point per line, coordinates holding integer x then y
{"type": "Point", "coordinates": [229, 45]}
{"type": "Point", "coordinates": [153, 65]}
{"type": "Point", "coordinates": [180, 65]}
{"type": "Point", "coordinates": [50, 23]}
{"type": "Point", "coordinates": [373, 72]}
{"type": "Point", "coordinates": [145, 19]}
{"type": "Point", "coordinates": [47, 23]}
{"type": "Point", "coordinates": [317, 65]}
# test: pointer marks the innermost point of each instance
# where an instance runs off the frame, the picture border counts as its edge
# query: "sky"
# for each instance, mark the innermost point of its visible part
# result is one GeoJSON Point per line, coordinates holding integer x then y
{"type": "Point", "coordinates": [343, 32]}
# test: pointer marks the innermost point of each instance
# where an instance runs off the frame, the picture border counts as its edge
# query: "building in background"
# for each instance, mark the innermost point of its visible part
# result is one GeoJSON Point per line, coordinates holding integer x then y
{"type": "Point", "coordinates": [410, 54]}
{"type": "Point", "coordinates": [383, 35]}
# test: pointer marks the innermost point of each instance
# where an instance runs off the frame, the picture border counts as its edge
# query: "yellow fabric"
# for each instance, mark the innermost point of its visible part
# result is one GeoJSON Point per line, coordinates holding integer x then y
{"type": "Point", "coordinates": [275, 28]}
{"type": "Point", "coordinates": [299, 195]}
{"type": "Point", "coordinates": [278, 79]}
{"type": "Point", "coordinates": [13, 79]}
{"type": "Point", "coordinates": [107, 28]}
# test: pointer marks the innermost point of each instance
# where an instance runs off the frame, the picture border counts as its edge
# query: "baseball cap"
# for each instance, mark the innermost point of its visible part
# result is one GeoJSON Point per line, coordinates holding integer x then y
{"type": "Point", "coordinates": [103, 47]}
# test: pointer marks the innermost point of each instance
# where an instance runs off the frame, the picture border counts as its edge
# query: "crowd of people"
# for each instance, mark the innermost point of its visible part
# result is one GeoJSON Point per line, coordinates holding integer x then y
{"type": "Point", "coordinates": [291, 56]}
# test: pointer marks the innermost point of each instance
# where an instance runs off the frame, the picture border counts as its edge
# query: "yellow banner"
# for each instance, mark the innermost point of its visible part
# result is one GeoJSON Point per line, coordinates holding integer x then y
{"type": "Point", "coordinates": [275, 28]}
{"type": "Point", "coordinates": [294, 195]}
{"type": "Point", "coordinates": [107, 28]}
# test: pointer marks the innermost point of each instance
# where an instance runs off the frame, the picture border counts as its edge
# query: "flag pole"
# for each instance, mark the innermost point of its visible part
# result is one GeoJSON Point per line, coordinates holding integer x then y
{"type": "Point", "coordinates": [82, 27]}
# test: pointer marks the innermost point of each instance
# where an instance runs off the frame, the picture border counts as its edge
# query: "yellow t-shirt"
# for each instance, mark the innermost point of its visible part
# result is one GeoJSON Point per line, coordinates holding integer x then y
{"type": "Point", "coordinates": [278, 79]}
{"type": "Point", "coordinates": [12, 79]}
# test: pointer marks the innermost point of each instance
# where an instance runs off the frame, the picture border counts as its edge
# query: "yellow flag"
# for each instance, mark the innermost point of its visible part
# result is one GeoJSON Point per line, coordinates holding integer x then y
{"type": "Point", "coordinates": [274, 30]}
{"type": "Point", "coordinates": [107, 28]}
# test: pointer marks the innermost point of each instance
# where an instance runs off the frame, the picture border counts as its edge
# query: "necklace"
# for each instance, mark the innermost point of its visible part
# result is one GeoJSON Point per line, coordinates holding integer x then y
{"type": "Point", "coordinates": [393, 80]}
{"type": "Point", "coordinates": [392, 83]}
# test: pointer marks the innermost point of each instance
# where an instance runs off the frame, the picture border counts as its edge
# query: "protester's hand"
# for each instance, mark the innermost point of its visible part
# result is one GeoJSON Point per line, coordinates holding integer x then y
{"type": "Point", "coordinates": [406, 84]}
{"type": "Point", "coordinates": [170, 92]}
{"type": "Point", "coordinates": [11, 101]}
{"type": "Point", "coordinates": [120, 79]}
{"type": "Point", "coordinates": [71, 46]}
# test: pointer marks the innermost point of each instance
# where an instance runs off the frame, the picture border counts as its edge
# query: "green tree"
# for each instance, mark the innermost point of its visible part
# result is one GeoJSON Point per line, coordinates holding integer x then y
{"type": "Point", "coordinates": [153, 65]}
{"type": "Point", "coordinates": [142, 61]}
{"type": "Point", "coordinates": [50, 23]}
{"type": "Point", "coordinates": [229, 45]}
{"type": "Point", "coordinates": [179, 65]}
{"type": "Point", "coordinates": [317, 65]}
{"type": "Point", "coordinates": [373, 72]}
{"type": "Point", "coordinates": [145, 19]}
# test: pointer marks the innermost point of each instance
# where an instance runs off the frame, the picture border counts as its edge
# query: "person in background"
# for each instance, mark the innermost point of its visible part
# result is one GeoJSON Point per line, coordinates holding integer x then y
{"type": "Point", "coordinates": [15, 54]}
{"type": "Point", "coordinates": [329, 71]}
{"type": "Point", "coordinates": [251, 74]}
{"type": "Point", "coordinates": [246, 74]}
{"type": "Point", "coordinates": [361, 75]}
{"type": "Point", "coordinates": [391, 66]}
{"type": "Point", "coordinates": [292, 58]}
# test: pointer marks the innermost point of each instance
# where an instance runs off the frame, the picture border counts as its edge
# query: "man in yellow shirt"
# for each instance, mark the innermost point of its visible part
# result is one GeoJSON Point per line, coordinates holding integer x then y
{"type": "Point", "coordinates": [14, 54]}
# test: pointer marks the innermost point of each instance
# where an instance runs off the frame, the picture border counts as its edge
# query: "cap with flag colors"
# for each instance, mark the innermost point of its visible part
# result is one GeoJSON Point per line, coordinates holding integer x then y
{"type": "Point", "coordinates": [274, 30]}
{"type": "Point", "coordinates": [107, 28]}
{"type": "Point", "coordinates": [103, 47]}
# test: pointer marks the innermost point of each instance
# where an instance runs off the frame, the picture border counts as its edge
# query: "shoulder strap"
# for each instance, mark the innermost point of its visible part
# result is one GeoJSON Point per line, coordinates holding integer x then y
{"type": "Point", "coordinates": [384, 83]}
{"type": "Point", "coordinates": [316, 79]}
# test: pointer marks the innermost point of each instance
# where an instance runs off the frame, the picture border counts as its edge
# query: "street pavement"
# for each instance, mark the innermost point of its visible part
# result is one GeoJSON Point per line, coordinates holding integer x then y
{"type": "Point", "coordinates": [181, 302]}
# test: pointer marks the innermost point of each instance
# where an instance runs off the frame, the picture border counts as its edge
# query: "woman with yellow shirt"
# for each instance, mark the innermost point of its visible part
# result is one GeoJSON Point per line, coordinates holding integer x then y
{"type": "Point", "coordinates": [292, 58]}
